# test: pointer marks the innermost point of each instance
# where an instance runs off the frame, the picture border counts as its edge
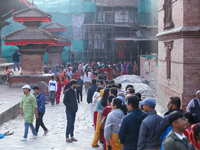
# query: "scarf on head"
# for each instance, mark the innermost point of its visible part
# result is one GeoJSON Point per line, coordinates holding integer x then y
{"type": "Point", "coordinates": [195, 143]}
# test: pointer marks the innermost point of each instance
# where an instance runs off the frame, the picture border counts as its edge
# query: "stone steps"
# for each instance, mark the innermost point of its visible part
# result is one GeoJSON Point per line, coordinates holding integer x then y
{"type": "Point", "coordinates": [3, 66]}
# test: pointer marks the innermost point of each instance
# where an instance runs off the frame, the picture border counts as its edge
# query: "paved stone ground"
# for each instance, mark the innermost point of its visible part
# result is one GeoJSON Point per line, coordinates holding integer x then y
{"type": "Point", "coordinates": [7, 95]}
{"type": "Point", "coordinates": [55, 121]}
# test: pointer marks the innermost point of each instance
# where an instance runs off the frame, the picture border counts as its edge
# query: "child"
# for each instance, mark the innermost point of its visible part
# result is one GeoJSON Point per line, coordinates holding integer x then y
{"type": "Point", "coordinates": [7, 72]}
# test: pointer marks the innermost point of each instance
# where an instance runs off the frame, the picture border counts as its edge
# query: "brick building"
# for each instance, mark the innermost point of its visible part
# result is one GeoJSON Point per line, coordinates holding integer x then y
{"type": "Point", "coordinates": [179, 38]}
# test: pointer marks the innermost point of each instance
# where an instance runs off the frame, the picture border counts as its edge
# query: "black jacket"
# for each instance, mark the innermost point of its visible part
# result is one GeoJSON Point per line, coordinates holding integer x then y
{"type": "Point", "coordinates": [70, 101]}
{"type": "Point", "coordinates": [90, 92]}
{"type": "Point", "coordinates": [129, 130]}
{"type": "Point", "coordinates": [16, 56]}
{"type": "Point", "coordinates": [147, 138]}
{"type": "Point", "coordinates": [164, 123]}
{"type": "Point", "coordinates": [80, 82]}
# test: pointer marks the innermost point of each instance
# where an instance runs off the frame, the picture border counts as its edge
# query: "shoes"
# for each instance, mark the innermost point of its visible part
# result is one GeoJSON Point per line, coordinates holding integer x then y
{"type": "Point", "coordinates": [23, 139]}
{"type": "Point", "coordinates": [74, 140]}
{"type": "Point", "coordinates": [93, 124]}
{"type": "Point", "coordinates": [51, 105]}
{"type": "Point", "coordinates": [33, 137]}
{"type": "Point", "coordinates": [96, 146]}
{"type": "Point", "coordinates": [69, 141]}
{"type": "Point", "coordinates": [45, 132]}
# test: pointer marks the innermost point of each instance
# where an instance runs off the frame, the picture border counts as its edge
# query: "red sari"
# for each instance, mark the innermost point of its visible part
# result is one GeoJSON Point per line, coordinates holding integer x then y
{"type": "Point", "coordinates": [195, 143]}
{"type": "Point", "coordinates": [58, 93]}
{"type": "Point", "coordinates": [105, 113]}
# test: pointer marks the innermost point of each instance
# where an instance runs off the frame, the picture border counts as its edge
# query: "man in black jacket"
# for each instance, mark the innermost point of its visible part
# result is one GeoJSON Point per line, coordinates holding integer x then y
{"type": "Point", "coordinates": [90, 94]}
{"type": "Point", "coordinates": [164, 128]}
{"type": "Point", "coordinates": [16, 59]}
{"type": "Point", "coordinates": [71, 109]}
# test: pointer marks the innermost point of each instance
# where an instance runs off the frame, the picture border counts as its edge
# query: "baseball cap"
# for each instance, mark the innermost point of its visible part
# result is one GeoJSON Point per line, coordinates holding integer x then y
{"type": "Point", "coordinates": [148, 101]}
{"type": "Point", "coordinates": [26, 87]}
{"type": "Point", "coordinates": [120, 97]}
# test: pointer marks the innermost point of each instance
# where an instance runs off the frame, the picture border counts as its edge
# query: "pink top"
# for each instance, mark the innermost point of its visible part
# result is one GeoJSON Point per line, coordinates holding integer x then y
{"type": "Point", "coordinates": [6, 72]}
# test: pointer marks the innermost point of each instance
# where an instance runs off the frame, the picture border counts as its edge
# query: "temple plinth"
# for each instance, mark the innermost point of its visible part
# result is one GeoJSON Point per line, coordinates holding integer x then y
{"type": "Point", "coordinates": [32, 41]}
{"type": "Point", "coordinates": [55, 51]}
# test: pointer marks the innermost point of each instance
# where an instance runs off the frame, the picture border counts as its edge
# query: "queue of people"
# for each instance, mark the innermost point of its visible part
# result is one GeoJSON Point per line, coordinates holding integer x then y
{"type": "Point", "coordinates": [121, 119]}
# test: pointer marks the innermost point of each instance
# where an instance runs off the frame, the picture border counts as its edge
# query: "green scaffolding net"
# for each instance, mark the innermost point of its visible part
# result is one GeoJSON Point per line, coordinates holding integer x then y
{"type": "Point", "coordinates": [148, 12]}
{"type": "Point", "coordinates": [62, 11]}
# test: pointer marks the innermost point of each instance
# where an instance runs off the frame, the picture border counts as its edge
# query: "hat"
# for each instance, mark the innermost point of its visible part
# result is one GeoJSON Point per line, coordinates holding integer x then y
{"type": "Point", "coordinates": [120, 97]}
{"type": "Point", "coordinates": [26, 87]}
{"type": "Point", "coordinates": [148, 101]}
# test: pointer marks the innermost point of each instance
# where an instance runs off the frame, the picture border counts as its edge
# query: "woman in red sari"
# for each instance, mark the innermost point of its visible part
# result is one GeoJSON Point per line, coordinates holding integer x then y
{"type": "Point", "coordinates": [58, 93]}
{"type": "Point", "coordinates": [105, 113]}
{"type": "Point", "coordinates": [192, 119]}
{"type": "Point", "coordinates": [195, 137]}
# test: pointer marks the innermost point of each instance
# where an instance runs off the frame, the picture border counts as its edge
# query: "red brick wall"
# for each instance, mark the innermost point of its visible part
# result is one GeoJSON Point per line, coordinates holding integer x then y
{"type": "Point", "coordinates": [32, 64]}
{"type": "Point", "coordinates": [19, 81]}
{"type": "Point", "coordinates": [54, 59]}
{"type": "Point", "coordinates": [185, 66]}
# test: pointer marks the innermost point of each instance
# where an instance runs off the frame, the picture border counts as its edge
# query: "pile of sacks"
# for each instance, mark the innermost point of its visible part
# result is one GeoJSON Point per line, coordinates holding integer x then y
{"type": "Point", "coordinates": [138, 84]}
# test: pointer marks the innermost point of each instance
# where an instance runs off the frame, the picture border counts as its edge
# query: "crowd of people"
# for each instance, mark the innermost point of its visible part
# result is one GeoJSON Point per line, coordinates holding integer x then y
{"type": "Point", "coordinates": [121, 119]}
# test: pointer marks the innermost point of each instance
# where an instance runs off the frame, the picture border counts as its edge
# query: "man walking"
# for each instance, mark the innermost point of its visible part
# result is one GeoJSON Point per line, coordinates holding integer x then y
{"type": "Point", "coordinates": [28, 108]}
{"type": "Point", "coordinates": [71, 109]}
{"type": "Point", "coordinates": [193, 106]}
{"type": "Point", "coordinates": [79, 89]}
{"type": "Point", "coordinates": [147, 138]}
{"type": "Point", "coordinates": [90, 93]}
{"type": "Point", "coordinates": [16, 60]}
{"type": "Point", "coordinates": [52, 90]}
{"type": "Point", "coordinates": [176, 140]}
{"type": "Point", "coordinates": [40, 99]}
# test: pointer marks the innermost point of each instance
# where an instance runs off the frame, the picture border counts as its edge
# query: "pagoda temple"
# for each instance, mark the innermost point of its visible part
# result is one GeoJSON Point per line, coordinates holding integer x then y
{"type": "Point", "coordinates": [32, 41]}
{"type": "Point", "coordinates": [55, 51]}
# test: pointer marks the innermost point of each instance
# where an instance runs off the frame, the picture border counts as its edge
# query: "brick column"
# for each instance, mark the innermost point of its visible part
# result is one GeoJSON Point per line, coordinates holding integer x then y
{"type": "Point", "coordinates": [55, 55]}
{"type": "Point", "coordinates": [181, 27]}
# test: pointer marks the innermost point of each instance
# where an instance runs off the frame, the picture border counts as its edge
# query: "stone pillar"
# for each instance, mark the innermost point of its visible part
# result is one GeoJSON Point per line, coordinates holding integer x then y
{"type": "Point", "coordinates": [55, 55]}
{"type": "Point", "coordinates": [178, 35]}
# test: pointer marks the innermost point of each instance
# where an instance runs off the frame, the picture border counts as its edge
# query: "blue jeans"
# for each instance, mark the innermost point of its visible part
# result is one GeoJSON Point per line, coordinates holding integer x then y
{"type": "Point", "coordinates": [52, 97]}
{"type": "Point", "coordinates": [16, 62]}
{"type": "Point", "coordinates": [129, 148]}
{"type": "Point", "coordinates": [27, 125]}
{"type": "Point", "coordinates": [70, 124]}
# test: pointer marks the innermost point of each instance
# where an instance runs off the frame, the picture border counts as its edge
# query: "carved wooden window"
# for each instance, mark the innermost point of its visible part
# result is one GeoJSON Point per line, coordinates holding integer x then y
{"type": "Point", "coordinates": [167, 7]}
{"type": "Point", "coordinates": [168, 48]}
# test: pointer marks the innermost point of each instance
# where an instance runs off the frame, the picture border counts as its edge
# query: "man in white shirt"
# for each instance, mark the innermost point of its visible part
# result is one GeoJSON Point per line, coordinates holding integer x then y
{"type": "Point", "coordinates": [176, 140]}
{"type": "Point", "coordinates": [52, 90]}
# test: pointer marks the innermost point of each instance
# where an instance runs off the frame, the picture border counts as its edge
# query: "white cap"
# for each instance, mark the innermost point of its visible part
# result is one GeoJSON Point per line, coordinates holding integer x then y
{"type": "Point", "coordinates": [26, 87]}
